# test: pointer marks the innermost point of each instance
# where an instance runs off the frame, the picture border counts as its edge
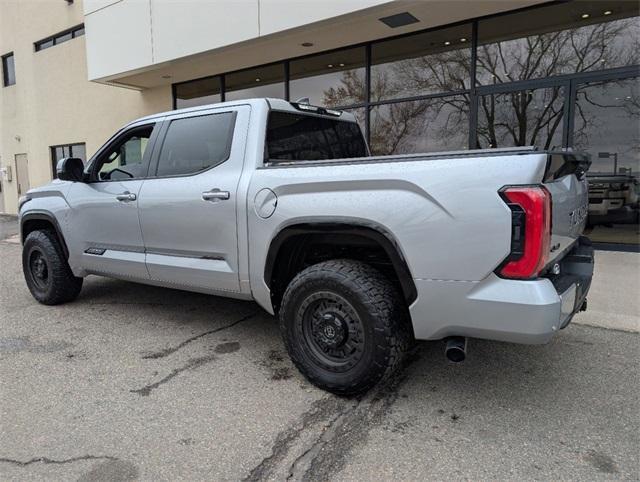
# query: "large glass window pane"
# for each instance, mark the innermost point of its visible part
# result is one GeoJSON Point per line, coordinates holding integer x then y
{"type": "Point", "coordinates": [607, 126]}
{"type": "Point", "coordinates": [559, 39]}
{"type": "Point", "coordinates": [63, 38]}
{"type": "Point", "coordinates": [79, 151]}
{"type": "Point", "coordinates": [265, 81]}
{"type": "Point", "coordinates": [440, 124]}
{"type": "Point", "coordinates": [426, 63]}
{"type": "Point", "coordinates": [334, 79]}
{"type": "Point", "coordinates": [198, 92]}
{"type": "Point", "coordinates": [522, 118]}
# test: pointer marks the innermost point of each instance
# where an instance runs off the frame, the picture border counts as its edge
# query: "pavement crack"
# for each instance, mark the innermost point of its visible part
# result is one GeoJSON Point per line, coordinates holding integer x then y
{"type": "Point", "coordinates": [46, 460]}
{"type": "Point", "coordinates": [301, 465]}
{"type": "Point", "coordinates": [170, 350]}
{"type": "Point", "coordinates": [191, 365]}
{"type": "Point", "coordinates": [320, 411]}
{"type": "Point", "coordinates": [345, 425]}
{"type": "Point", "coordinates": [350, 430]}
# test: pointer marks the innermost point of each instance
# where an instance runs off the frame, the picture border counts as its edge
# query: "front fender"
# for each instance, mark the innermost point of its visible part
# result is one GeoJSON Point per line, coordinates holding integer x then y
{"type": "Point", "coordinates": [46, 205]}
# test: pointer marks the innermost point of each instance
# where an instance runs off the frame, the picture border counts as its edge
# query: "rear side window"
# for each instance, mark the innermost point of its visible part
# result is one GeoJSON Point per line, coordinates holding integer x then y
{"type": "Point", "coordinates": [195, 144]}
{"type": "Point", "coordinates": [299, 137]}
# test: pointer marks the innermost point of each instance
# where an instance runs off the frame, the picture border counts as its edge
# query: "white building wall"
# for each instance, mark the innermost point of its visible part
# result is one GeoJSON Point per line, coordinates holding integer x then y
{"type": "Point", "coordinates": [148, 43]}
{"type": "Point", "coordinates": [208, 25]}
{"type": "Point", "coordinates": [279, 15]}
{"type": "Point", "coordinates": [129, 35]}
{"type": "Point", "coordinates": [125, 28]}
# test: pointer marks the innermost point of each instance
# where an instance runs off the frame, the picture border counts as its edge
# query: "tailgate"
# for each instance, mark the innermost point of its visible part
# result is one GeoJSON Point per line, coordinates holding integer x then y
{"type": "Point", "coordinates": [566, 180]}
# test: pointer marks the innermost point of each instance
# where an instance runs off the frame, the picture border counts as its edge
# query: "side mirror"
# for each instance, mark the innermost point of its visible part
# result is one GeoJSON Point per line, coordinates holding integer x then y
{"type": "Point", "coordinates": [70, 169]}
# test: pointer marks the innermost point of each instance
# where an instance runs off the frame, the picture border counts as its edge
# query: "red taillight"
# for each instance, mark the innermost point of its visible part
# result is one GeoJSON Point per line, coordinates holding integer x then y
{"type": "Point", "coordinates": [535, 202]}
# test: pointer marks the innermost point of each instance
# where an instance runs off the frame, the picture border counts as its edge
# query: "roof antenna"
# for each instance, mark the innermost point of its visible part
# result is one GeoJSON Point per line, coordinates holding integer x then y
{"type": "Point", "coordinates": [303, 100]}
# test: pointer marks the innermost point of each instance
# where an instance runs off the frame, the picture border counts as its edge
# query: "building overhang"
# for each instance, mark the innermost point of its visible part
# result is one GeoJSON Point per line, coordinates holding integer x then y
{"type": "Point", "coordinates": [153, 67]}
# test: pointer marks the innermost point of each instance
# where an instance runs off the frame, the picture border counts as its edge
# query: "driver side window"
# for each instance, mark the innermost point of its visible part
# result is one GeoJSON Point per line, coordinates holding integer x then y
{"type": "Point", "coordinates": [126, 158]}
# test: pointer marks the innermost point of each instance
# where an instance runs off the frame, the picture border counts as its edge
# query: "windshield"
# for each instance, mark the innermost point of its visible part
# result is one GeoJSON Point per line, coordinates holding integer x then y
{"type": "Point", "coordinates": [300, 137]}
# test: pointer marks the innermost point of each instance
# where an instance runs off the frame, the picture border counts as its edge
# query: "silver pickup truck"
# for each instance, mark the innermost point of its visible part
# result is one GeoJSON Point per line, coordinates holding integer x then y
{"type": "Point", "coordinates": [281, 203]}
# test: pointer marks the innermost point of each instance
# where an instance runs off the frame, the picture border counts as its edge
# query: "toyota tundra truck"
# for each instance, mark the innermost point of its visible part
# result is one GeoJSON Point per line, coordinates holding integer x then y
{"type": "Point", "coordinates": [358, 255]}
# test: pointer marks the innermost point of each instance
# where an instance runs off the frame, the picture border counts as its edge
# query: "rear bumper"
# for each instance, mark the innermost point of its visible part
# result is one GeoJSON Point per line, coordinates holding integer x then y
{"type": "Point", "coordinates": [574, 280]}
{"type": "Point", "coordinates": [507, 310]}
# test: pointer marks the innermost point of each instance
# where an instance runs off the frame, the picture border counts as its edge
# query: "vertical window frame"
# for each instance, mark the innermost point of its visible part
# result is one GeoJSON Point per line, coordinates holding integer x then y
{"type": "Point", "coordinates": [5, 71]}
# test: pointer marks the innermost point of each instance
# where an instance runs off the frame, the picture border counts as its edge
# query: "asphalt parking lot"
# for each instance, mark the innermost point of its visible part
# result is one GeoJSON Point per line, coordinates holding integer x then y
{"type": "Point", "coordinates": [135, 382]}
{"type": "Point", "coordinates": [8, 226]}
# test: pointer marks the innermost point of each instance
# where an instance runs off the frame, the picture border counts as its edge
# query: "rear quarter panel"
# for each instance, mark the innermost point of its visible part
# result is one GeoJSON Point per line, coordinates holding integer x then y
{"type": "Point", "coordinates": [445, 214]}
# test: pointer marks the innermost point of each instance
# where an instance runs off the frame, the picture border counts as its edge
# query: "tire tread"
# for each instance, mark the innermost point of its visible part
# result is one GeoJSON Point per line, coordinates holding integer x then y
{"type": "Point", "coordinates": [382, 301]}
{"type": "Point", "coordinates": [65, 286]}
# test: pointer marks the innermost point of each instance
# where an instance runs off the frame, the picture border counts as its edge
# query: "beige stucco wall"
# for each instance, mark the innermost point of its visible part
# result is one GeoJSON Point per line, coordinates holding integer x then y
{"type": "Point", "coordinates": [53, 102]}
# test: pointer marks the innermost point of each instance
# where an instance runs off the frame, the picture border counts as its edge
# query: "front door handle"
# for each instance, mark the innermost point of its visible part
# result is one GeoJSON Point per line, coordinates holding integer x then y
{"type": "Point", "coordinates": [216, 195]}
{"type": "Point", "coordinates": [126, 197]}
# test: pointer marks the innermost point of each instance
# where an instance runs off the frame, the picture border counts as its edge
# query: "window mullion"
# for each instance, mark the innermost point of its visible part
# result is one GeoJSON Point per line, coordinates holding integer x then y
{"type": "Point", "coordinates": [473, 97]}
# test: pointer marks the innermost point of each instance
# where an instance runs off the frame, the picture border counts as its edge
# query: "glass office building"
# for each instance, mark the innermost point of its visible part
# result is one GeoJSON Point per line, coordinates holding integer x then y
{"type": "Point", "coordinates": [561, 75]}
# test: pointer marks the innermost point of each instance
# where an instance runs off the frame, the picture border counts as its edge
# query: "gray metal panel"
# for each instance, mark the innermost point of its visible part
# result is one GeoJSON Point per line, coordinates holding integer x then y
{"type": "Point", "coordinates": [446, 214]}
{"type": "Point", "coordinates": [190, 241]}
{"type": "Point", "coordinates": [495, 309]}
{"type": "Point", "coordinates": [51, 200]}
{"type": "Point", "coordinates": [97, 219]}
{"type": "Point", "coordinates": [570, 205]}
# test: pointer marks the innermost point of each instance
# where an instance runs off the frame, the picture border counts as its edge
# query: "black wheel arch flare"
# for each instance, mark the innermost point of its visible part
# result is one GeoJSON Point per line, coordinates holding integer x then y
{"type": "Point", "coordinates": [39, 219]}
{"type": "Point", "coordinates": [371, 231]}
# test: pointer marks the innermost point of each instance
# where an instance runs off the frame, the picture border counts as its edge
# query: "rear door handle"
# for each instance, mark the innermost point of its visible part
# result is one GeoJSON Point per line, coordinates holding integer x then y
{"type": "Point", "coordinates": [216, 195]}
{"type": "Point", "coordinates": [126, 197]}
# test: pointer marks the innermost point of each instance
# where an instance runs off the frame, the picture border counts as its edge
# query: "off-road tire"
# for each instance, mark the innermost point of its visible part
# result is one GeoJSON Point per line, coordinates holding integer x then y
{"type": "Point", "coordinates": [59, 285]}
{"type": "Point", "coordinates": [382, 314]}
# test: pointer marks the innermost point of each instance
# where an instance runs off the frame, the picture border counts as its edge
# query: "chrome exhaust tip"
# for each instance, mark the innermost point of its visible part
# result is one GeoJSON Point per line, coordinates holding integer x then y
{"type": "Point", "coordinates": [456, 349]}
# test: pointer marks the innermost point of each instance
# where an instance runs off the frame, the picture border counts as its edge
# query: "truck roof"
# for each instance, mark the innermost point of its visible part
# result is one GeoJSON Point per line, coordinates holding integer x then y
{"type": "Point", "coordinates": [272, 103]}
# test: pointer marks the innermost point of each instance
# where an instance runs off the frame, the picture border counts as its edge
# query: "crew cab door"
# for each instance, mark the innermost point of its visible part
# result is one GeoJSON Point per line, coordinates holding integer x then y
{"type": "Point", "coordinates": [106, 236]}
{"type": "Point", "coordinates": [188, 205]}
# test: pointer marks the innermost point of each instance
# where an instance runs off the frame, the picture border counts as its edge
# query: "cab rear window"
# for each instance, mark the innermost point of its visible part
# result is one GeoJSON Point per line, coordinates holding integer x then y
{"type": "Point", "coordinates": [300, 137]}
